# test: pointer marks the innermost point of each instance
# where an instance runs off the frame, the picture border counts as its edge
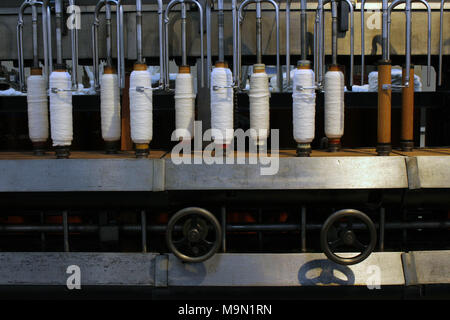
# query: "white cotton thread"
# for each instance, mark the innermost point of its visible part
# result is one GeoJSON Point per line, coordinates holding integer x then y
{"type": "Point", "coordinates": [259, 106]}
{"type": "Point", "coordinates": [222, 104]}
{"type": "Point", "coordinates": [184, 106]}
{"type": "Point", "coordinates": [334, 104]}
{"type": "Point", "coordinates": [303, 105]}
{"type": "Point", "coordinates": [110, 107]}
{"type": "Point", "coordinates": [141, 107]}
{"type": "Point", "coordinates": [61, 109]}
{"type": "Point", "coordinates": [37, 108]}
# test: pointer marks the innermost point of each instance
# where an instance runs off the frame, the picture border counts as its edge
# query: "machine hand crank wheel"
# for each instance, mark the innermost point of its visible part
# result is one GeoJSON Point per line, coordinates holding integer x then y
{"type": "Point", "coordinates": [338, 232]}
{"type": "Point", "coordinates": [193, 234]}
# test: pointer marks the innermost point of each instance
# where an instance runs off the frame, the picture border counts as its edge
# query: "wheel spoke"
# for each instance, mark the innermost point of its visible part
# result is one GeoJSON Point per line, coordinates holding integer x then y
{"type": "Point", "coordinates": [335, 243]}
{"type": "Point", "coordinates": [358, 245]}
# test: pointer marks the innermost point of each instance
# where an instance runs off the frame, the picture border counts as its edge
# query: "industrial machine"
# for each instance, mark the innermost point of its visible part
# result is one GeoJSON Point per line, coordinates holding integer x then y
{"type": "Point", "coordinates": [227, 143]}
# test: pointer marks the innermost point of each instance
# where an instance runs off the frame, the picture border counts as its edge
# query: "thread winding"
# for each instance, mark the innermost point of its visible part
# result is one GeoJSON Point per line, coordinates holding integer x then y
{"type": "Point", "coordinates": [37, 108]}
{"type": "Point", "coordinates": [141, 107]}
{"type": "Point", "coordinates": [303, 105]}
{"type": "Point", "coordinates": [334, 104]}
{"type": "Point", "coordinates": [110, 107]}
{"type": "Point", "coordinates": [61, 109]}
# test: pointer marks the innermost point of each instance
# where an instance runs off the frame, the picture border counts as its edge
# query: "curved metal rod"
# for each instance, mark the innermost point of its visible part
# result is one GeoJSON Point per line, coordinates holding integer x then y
{"type": "Point", "coordinates": [47, 44]}
{"type": "Point", "coordinates": [441, 31]}
{"type": "Point", "coordinates": [236, 61]}
{"type": "Point", "coordinates": [166, 30]}
{"type": "Point", "coordinates": [408, 35]}
{"type": "Point", "coordinates": [277, 13]}
{"type": "Point", "coordinates": [352, 34]}
{"type": "Point", "coordinates": [120, 43]}
{"type": "Point", "coordinates": [161, 38]}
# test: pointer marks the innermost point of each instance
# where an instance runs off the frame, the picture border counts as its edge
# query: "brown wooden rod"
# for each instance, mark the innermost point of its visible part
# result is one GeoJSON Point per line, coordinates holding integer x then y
{"type": "Point", "coordinates": [126, 144]}
{"type": "Point", "coordinates": [407, 135]}
{"type": "Point", "coordinates": [384, 109]}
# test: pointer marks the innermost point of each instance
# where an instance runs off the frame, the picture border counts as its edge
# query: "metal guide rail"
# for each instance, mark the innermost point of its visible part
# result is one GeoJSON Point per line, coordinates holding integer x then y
{"type": "Point", "coordinates": [350, 169]}
{"type": "Point", "coordinates": [255, 270]}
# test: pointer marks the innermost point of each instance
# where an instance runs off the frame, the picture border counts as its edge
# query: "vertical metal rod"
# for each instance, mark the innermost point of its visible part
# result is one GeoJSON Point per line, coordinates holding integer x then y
{"type": "Point", "coordinates": [74, 40]}
{"type": "Point", "coordinates": [384, 31]}
{"type": "Point", "coordinates": [144, 230]}
{"type": "Point", "coordinates": [120, 44]}
{"type": "Point", "coordinates": [162, 66]}
{"type": "Point", "coordinates": [34, 17]}
{"type": "Point", "coordinates": [363, 45]}
{"type": "Point", "coordinates": [20, 46]}
{"type": "Point", "coordinates": [303, 228]}
{"type": "Point", "coordinates": [66, 231]}
{"type": "Point", "coordinates": [408, 42]}
{"type": "Point", "coordinates": [208, 42]}
{"type": "Point", "coordinates": [220, 18]}
{"type": "Point", "coordinates": [382, 227]}
{"type": "Point", "coordinates": [334, 32]}
{"type": "Point", "coordinates": [108, 35]}
{"type": "Point", "coordinates": [352, 41]}
{"type": "Point", "coordinates": [303, 26]}
{"type": "Point", "coordinates": [183, 34]}
{"type": "Point", "coordinates": [42, 220]}
{"type": "Point", "coordinates": [441, 32]}
{"type": "Point", "coordinates": [258, 33]}
{"type": "Point", "coordinates": [235, 42]}
{"type": "Point", "coordinates": [58, 14]}
{"type": "Point", "coordinates": [288, 42]}
{"type": "Point", "coordinates": [139, 31]}
{"type": "Point", "coordinates": [423, 126]}
{"type": "Point", "coordinates": [224, 228]}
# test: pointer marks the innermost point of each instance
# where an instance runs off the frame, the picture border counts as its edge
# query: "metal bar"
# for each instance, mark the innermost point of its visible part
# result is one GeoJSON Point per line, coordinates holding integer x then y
{"type": "Point", "coordinates": [220, 18]}
{"type": "Point", "coordinates": [139, 31]}
{"type": "Point", "coordinates": [275, 227]}
{"type": "Point", "coordinates": [288, 43]}
{"type": "Point", "coordinates": [66, 231]}
{"type": "Point", "coordinates": [144, 230]}
{"type": "Point", "coordinates": [441, 32]}
{"type": "Point", "coordinates": [303, 32]}
{"type": "Point", "coordinates": [108, 36]}
{"type": "Point", "coordinates": [363, 44]}
{"type": "Point", "coordinates": [74, 42]}
{"type": "Point", "coordinates": [303, 230]}
{"type": "Point", "coordinates": [334, 30]}
{"type": "Point", "coordinates": [352, 41]}
{"type": "Point", "coordinates": [224, 228]}
{"type": "Point", "coordinates": [382, 227]}
{"type": "Point", "coordinates": [408, 42]}
{"type": "Point", "coordinates": [34, 18]}
{"type": "Point", "coordinates": [258, 33]}
{"type": "Point", "coordinates": [183, 34]}
{"type": "Point", "coordinates": [58, 13]}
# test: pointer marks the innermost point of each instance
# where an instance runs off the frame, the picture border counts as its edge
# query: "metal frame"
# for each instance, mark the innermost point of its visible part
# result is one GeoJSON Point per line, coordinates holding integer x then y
{"type": "Point", "coordinates": [441, 32]}
{"type": "Point", "coordinates": [46, 35]}
{"type": "Point", "coordinates": [408, 36]}
{"type": "Point", "coordinates": [259, 53]}
{"type": "Point", "coordinates": [120, 41]}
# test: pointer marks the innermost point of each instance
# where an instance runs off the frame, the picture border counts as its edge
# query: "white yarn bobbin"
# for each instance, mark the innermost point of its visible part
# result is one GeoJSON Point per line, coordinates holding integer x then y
{"type": "Point", "coordinates": [61, 108]}
{"type": "Point", "coordinates": [334, 104]}
{"type": "Point", "coordinates": [222, 104]}
{"type": "Point", "coordinates": [37, 107]}
{"type": "Point", "coordinates": [184, 104]}
{"type": "Point", "coordinates": [259, 104]}
{"type": "Point", "coordinates": [141, 107]}
{"type": "Point", "coordinates": [110, 106]}
{"type": "Point", "coordinates": [303, 105]}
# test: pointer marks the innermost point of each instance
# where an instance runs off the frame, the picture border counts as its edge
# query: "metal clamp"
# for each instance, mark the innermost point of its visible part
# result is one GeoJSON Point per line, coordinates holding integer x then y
{"type": "Point", "coordinates": [57, 90]}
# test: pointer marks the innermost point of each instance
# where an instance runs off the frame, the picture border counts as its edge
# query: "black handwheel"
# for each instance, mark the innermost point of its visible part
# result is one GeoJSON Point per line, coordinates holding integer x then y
{"type": "Point", "coordinates": [193, 234]}
{"type": "Point", "coordinates": [334, 236]}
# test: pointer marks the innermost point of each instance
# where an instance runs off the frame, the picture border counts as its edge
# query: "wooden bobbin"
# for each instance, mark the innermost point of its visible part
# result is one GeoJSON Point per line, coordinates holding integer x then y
{"type": "Point", "coordinates": [142, 150]}
{"type": "Point", "coordinates": [109, 70]}
{"type": "Point", "coordinates": [221, 64]}
{"type": "Point", "coordinates": [304, 64]}
{"type": "Point", "coordinates": [407, 134]}
{"type": "Point", "coordinates": [36, 71]}
{"type": "Point", "coordinates": [384, 109]}
{"type": "Point", "coordinates": [140, 67]}
{"type": "Point", "coordinates": [184, 69]}
{"type": "Point", "coordinates": [259, 68]}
